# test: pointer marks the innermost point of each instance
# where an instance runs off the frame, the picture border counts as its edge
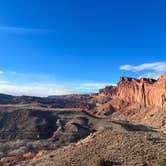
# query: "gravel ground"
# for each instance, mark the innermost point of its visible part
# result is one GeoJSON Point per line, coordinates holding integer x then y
{"type": "Point", "coordinates": [119, 148]}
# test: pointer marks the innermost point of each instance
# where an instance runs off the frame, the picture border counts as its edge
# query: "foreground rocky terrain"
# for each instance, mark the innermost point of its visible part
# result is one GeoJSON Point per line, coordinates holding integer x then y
{"type": "Point", "coordinates": [121, 125]}
{"type": "Point", "coordinates": [27, 130]}
{"type": "Point", "coordinates": [117, 148]}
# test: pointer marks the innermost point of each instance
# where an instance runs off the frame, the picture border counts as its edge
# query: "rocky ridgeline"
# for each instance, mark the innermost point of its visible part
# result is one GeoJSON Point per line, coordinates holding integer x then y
{"type": "Point", "coordinates": [144, 91]}
{"type": "Point", "coordinates": [108, 90]}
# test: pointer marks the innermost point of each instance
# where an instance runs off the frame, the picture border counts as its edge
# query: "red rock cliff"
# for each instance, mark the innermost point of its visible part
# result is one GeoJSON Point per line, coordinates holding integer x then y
{"type": "Point", "coordinates": [143, 91]}
{"type": "Point", "coordinates": [108, 90]}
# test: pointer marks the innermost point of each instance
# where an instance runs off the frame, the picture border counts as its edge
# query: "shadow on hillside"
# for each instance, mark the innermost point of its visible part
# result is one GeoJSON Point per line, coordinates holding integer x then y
{"type": "Point", "coordinates": [27, 124]}
{"type": "Point", "coordinates": [132, 127]}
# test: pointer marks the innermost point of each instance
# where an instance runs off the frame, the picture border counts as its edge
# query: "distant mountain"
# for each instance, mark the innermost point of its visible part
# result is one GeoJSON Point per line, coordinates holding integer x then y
{"type": "Point", "coordinates": [66, 101]}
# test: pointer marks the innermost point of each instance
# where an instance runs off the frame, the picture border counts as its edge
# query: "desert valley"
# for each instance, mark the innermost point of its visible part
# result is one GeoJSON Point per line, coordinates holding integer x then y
{"type": "Point", "coordinates": [121, 125]}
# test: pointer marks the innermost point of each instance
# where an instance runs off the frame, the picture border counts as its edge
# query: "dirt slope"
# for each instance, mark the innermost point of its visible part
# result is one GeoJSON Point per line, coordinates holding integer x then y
{"type": "Point", "coordinates": [127, 149]}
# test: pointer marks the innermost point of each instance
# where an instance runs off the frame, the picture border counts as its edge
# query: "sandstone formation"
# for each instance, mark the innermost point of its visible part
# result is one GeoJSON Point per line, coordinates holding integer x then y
{"type": "Point", "coordinates": [143, 91]}
{"type": "Point", "coordinates": [108, 90]}
{"type": "Point", "coordinates": [135, 100]}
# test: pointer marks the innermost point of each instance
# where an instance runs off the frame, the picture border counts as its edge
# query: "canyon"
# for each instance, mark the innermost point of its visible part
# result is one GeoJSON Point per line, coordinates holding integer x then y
{"type": "Point", "coordinates": [133, 111]}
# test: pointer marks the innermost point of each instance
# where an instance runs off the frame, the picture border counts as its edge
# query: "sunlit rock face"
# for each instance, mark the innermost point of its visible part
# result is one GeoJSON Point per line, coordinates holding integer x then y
{"type": "Point", "coordinates": [143, 91]}
{"type": "Point", "coordinates": [108, 90]}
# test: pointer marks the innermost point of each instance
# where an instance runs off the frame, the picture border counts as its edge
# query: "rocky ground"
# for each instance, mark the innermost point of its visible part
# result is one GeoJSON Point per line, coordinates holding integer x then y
{"type": "Point", "coordinates": [117, 148]}
{"type": "Point", "coordinates": [27, 130]}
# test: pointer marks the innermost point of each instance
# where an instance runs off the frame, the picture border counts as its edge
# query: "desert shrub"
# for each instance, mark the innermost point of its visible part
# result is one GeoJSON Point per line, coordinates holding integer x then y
{"type": "Point", "coordinates": [102, 162]}
{"type": "Point", "coordinates": [150, 137]}
{"type": "Point", "coordinates": [161, 161]}
{"type": "Point", "coordinates": [51, 156]}
{"type": "Point", "coordinates": [145, 163]}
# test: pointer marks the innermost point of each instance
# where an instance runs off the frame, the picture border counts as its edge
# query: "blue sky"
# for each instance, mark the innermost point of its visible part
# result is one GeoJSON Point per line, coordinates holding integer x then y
{"type": "Point", "coordinates": [74, 46]}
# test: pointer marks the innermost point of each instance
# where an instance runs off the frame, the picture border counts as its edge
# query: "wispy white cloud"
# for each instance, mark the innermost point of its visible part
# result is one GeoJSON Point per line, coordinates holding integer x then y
{"type": "Point", "coordinates": [1, 72]}
{"type": "Point", "coordinates": [94, 85]}
{"type": "Point", "coordinates": [13, 29]}
{"type": "Point", "coordinates": [148, 70]}
{"type": "Point", "coordinates": [3, 82]}
{"type": "Point", "coordinates": [35, 90]}
{"type": "Point", "coordinates": [49, 89]}
{"type": "Point", "coordinates": [34, 84]}
{"type": "Point", "coordinates": [154, 75]}
{"type": "Point", "coordinates": [156, 66]}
